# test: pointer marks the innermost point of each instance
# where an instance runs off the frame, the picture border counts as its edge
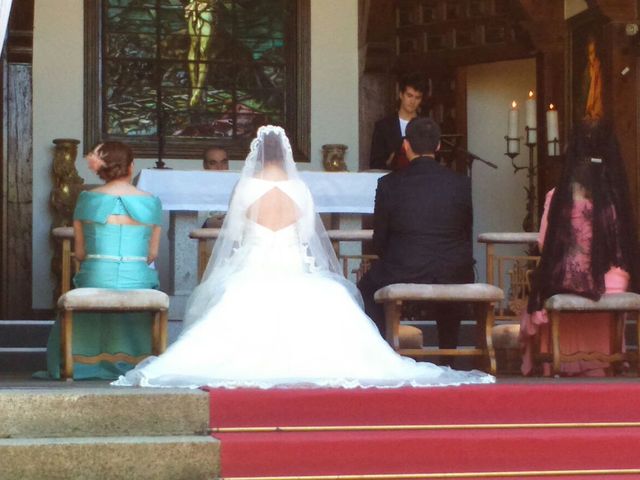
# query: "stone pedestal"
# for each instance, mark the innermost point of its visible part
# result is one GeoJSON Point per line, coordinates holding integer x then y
{"type": "Point", "coordinates": [183, 259]}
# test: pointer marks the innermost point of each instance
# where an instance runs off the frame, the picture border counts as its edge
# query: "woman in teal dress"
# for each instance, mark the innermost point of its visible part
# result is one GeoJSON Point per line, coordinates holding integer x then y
{"type": "Point", "coordinates": [117, 234]}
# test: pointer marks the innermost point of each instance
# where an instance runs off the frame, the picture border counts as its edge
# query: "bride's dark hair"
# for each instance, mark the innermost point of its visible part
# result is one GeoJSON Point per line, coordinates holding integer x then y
{"type": "Point", "coordinates": [272, 149]}
{"type": "Point", "coordinates": [593, 167]}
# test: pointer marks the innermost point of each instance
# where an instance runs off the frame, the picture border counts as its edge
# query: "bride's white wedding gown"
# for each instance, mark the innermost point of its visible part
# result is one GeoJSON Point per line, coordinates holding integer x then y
{"type": "Point", "coordinates": [280, 322]}
{"type": "Point", "coordinates": [273, 308]}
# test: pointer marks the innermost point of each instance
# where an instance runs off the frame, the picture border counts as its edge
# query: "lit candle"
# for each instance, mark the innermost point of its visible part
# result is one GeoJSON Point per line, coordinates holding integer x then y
{"type": "Point", "coordinates": [512, 130]}
{"type": "Point", "coordinates": [530, 118]}
{"type": "Point", "coordinates": [553, 147]}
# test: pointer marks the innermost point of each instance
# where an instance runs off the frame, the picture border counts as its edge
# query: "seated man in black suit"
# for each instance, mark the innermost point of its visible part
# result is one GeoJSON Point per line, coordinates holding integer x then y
{"type": "Point", "coordinates": [386, 141]}
{"type": "Point", "coordinates": [422, 229]}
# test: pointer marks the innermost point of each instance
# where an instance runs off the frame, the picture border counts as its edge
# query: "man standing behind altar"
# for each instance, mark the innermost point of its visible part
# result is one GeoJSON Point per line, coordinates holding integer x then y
{"type": "Point", "coordinates": [215, 158]}
{"type": "Point", "coordinates": [386, 141]}
{"type": "Point", "coordinates": [422, 229]}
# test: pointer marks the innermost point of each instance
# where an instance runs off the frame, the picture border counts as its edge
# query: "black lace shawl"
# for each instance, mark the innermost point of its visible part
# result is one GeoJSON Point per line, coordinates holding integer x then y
{"type": "Point", "coordinates": [593, 170]}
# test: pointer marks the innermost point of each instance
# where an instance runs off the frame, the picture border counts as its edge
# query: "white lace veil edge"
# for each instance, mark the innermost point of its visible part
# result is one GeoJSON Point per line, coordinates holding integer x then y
{"type": "Point", "coordinates": [270, 147]}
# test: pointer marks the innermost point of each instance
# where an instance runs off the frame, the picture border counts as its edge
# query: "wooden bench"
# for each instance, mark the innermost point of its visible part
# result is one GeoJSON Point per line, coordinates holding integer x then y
{"type": "Point", "coordinates": [110, 300]}
{"type": "Point", "coordinates": [481, 295]}
{"type": "Point", "coordinates": [615, 303]}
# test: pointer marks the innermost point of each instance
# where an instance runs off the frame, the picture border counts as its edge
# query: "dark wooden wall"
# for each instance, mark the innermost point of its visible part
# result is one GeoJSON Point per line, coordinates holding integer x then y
{"type": "Point", "coordinates": [624, 52]}
{"type": "Point", "coordinates": [17, 165]}
{"type": "Point", "coordinates": [377, 78]}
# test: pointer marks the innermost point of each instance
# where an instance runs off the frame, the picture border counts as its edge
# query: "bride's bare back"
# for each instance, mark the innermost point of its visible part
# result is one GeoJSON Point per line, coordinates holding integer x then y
{"type": "Point", "coordinates": [274, 210]}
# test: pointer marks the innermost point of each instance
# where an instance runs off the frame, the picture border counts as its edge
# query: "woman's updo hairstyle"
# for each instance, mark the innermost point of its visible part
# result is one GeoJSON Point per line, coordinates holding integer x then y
{"type": "Point", "coordinates": [272, 148]}
{"type": "Point", "coordinates": [116, 158]}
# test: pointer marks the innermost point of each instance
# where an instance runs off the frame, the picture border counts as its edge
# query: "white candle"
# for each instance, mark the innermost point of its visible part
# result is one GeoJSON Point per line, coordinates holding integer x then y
{"type": "Point", "coordinates": [553, 148]}
{"type": "Point", "coordinates": [513, 145]}
{"type": "Point", "coordinates": [530, 117]}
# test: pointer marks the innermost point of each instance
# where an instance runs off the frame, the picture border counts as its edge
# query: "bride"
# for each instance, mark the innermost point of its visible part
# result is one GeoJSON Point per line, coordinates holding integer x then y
{"type": "Point", "coordinates": [272, 308]}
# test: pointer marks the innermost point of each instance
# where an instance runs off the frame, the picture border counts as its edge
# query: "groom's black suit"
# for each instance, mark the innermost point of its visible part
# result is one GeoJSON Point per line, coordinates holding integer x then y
{"type": "Point", "coordinates": [422, 233]}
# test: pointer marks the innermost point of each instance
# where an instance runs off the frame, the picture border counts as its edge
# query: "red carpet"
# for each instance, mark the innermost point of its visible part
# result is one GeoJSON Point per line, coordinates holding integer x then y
{"type": "Point", "coordinates": [427, 450]}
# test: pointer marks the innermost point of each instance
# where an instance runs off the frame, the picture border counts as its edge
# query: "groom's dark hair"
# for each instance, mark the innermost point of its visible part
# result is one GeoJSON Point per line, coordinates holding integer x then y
{"type": "Point", "coordinates": [423, 134]}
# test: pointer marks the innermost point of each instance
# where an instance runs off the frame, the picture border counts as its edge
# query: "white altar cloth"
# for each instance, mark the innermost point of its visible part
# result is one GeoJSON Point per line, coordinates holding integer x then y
{"type": "Point", "coordinates": [201, 190]}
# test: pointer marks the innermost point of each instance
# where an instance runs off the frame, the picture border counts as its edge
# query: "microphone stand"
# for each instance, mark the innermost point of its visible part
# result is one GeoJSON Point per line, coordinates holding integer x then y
{"type": "Point", "coordinates": [470, 156]}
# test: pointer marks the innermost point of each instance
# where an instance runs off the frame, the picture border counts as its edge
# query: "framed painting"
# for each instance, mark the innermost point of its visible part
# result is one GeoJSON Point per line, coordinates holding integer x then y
{"type": "Point", "coordinates": [588, 94]}
{"type": "Point", "coordinates": [172, 77]}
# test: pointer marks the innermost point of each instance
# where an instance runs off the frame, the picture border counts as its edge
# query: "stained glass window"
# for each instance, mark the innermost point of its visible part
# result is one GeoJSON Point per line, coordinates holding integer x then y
{"type": "Point", "coordinates": [178, 74]}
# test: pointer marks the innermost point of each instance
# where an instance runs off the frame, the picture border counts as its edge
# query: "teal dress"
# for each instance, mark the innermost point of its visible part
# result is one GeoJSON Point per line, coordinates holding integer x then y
{"type": "Point", "coordinates": [116, 257]}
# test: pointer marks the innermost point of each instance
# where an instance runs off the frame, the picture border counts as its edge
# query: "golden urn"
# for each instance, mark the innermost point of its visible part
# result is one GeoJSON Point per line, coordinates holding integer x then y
{"type": "Point", "coordinates": [333, 157]}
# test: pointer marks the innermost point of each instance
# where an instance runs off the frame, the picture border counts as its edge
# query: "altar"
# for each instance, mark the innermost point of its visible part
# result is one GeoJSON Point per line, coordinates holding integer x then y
{"type": "Point", "coordinates": [184, 193]}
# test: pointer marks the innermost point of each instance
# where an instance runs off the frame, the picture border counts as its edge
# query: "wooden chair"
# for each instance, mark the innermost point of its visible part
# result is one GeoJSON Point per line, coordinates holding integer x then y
{"type": "Point", "coordinates": [481, 295]}
{"type": "Point", "coordinates": [64, 235]}
{"type": "Point", "coordinates": [103, 300]}
{"type": "Point", "coordinates": [111, 300]}
{"type": "Point", "coordinates": [616, 303]}
{"type": "Point", "coordinates": [510, 271]}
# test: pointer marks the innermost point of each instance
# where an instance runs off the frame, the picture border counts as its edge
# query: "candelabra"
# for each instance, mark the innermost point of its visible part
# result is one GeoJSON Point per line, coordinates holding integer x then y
{"type": "Point", "coordinates": [553, 147]}
{"type": "Point", "coordinates": [530, 222]}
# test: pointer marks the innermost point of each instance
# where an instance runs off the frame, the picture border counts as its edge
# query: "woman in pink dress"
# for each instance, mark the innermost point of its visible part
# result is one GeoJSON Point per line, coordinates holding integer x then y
{"type": "Point", "coordinates": [589, 247]}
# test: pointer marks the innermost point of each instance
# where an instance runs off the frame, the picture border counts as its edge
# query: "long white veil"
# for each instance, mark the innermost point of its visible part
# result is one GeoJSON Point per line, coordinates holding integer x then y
{"type": "Point", "coordinates": [268, 166]}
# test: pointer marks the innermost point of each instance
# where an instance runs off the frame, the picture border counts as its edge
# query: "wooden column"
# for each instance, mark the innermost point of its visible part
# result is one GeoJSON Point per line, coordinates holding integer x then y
{"type": "Point", "coordinates": [624, 79]}
{"type": "Point", "coordinates": [16, 166]}
{"type": "Point", "coordinates": [376, 28]}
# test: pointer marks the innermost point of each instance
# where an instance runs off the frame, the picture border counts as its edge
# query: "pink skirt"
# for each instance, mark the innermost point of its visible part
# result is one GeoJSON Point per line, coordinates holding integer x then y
{"type": "Point", "coordinates": [579, 332]}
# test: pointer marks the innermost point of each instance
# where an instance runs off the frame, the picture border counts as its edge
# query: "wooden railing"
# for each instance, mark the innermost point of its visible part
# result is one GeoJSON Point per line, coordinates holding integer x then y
{"type": "Point", "coordinates": [508, 272]}
{"type": "Point", "coordinates": [206, 236]}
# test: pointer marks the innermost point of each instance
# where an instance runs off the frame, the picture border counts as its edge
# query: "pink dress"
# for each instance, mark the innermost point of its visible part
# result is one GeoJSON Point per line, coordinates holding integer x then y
{"type": "Point", "coordinates": [583, 332]}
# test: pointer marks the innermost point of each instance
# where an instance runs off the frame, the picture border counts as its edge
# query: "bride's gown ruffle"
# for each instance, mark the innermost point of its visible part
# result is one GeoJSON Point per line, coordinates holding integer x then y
{"type": "Point", "coordinates": [279, 323]}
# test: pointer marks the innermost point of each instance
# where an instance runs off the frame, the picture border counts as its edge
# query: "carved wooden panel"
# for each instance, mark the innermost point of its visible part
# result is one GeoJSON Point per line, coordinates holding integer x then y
{"type": "Point", "coordinates": [459, 29]}
{"type": "Point", "coordinates": [18, 166]}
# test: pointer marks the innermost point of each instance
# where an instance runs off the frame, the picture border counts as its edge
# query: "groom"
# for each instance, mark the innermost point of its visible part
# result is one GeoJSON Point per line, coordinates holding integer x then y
{"type": "Point", "coordinates": [422, 230]}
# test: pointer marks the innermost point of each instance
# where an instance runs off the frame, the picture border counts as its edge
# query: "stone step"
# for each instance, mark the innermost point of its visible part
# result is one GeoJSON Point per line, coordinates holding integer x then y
{"type": "Point", "coordinates": [23, 345]}
{"type": "Point", "coordinates": [24, 333]}
{"type": "Point", "coordinates": [114, 458]}
{"type": "Point", "coordinates": [75, 411]}
{"type": "Point", "coordinates": [22, 360]}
